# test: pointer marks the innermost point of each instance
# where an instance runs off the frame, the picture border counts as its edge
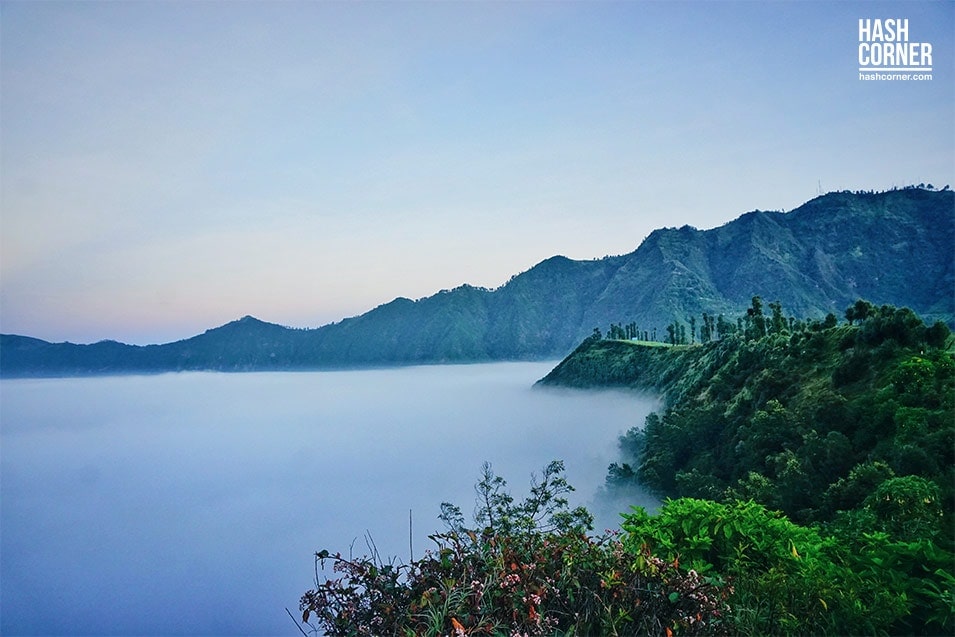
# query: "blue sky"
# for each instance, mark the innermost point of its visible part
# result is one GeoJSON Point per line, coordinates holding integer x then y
{"type": "Point", "coordinates": [168, 167]}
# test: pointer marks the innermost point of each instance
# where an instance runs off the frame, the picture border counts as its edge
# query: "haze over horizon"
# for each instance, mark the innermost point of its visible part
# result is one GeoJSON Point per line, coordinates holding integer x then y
{"type": "Point", "coordinates": [171, 167]}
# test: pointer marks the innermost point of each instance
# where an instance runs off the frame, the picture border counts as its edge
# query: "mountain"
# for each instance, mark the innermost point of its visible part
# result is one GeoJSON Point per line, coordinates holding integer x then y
{"type": "Point", "coordinates": [895, 247]}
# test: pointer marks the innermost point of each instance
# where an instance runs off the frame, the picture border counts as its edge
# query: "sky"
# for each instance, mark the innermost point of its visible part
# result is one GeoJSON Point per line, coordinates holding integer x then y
{"type": "Point", "coordinates": [167, 167]}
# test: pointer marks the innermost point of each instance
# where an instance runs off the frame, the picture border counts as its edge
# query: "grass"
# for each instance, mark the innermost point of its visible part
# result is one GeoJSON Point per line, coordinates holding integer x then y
{"type": "Point", "coordinates": [646, 343]}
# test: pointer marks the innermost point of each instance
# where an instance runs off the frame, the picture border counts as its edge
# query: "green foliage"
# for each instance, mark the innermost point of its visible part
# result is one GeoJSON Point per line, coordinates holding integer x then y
{"type": "Point", "coordinates": [825, 455]}
{"type": "Point", "coordinates": [908, 508]}
{"type": "Point", "coordinates": [787, 416]}
{"type": "Point", "coordinates": [847, 430]}
{"type": "Point", "coordinates": [525, 569]}
{"type": "Point", "coordinates": [793, 580]}
{"type": "Point", "coordinates": [545, 510]}
{"type": "Point", "coordinates": [850, 491]}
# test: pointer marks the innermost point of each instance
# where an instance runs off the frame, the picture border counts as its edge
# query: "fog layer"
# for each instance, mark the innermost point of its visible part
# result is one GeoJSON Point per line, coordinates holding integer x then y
{"type": "Point", "coordinates": [193, 503]}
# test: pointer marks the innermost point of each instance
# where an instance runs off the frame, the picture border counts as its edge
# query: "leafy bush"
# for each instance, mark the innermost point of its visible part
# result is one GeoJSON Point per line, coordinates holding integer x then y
{"type": "Point", "coordinates": [786, 579]}
{"type": "Point", "coordinates": [907, 507]}
{"type": "Point", "coordinates": [527, 568]}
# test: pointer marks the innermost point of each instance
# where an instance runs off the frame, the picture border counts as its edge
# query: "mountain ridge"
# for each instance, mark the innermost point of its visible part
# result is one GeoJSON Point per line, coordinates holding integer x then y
{"type": "Point", "coordinates": [892, 247]}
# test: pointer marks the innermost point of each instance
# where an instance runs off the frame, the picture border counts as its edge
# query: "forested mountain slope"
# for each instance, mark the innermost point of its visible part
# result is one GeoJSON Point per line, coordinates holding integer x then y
{"type": "Point", "coordinates": [799, 416]}
{"type": "Point", "coordinates": [846, 427]}
{"type": "Point", "coordinates": [893, 247]}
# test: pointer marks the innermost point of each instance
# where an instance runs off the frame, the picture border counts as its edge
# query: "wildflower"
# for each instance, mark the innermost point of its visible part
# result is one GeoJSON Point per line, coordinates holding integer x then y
{"type": "Point", "coordinates": [512, 579]}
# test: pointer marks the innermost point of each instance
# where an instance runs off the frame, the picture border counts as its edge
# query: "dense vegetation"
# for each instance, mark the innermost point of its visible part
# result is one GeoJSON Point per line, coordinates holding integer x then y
{"type": "Point", "coordinates": [811, 466]}
{"type": "Point", "coordinates": [527, 568]}
{"type": "Point", "coordinates": [847, 429]}
{"type": "Point", "coordinates": [783, 411]}
{"type": "Point", "coordinates": [819, 257]}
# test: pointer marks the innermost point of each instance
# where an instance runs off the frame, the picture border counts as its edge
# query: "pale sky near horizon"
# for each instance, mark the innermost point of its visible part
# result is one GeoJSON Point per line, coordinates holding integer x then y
{"type": "Point", "coordinates": [166, 167]}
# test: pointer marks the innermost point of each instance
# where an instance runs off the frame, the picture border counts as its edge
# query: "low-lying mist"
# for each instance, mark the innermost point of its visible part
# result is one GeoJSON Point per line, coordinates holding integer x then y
{"type": "Point", "coordinates": [193, 503]}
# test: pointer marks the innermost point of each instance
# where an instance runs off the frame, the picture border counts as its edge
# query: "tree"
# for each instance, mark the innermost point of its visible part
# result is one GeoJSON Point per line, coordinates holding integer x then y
{"type": "Point", "coordinates": [777, 321]}
{"type": "Point", "coordinates": [615, 332]}
{"type": "Point", "coordinates": [632, 331]}
{"type": "Point", "coordinates": [755, 319]}
{"type": "Point", "coordinates": [937, 335]}
{"type": "Point", "coordinates": [850, 491]}
{"type": "Point", "coordinates": [859, 311]}
{"type": "Point", "coordinates": [705, 329]}
{"type": "Point", "coordinates": [907, 508]}
{"type": "Point", "coordinates": [723, 327]}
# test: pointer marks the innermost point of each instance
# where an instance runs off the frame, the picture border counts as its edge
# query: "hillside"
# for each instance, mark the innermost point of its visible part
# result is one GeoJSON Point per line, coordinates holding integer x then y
{"type": "Point", "coordinates": [894, 247]}
{"type": "Point", "coordinates": [814, 476]}
{"type": "Point", "coordinates": [787, 413]}
{"type": "Point", "coordinates": [845, 427]}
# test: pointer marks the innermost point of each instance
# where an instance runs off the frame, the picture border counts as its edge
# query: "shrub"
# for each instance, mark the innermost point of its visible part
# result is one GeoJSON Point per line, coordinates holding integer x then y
{"type": "Point", "coordinates": [792, 580]}
{"type": "Point", "coordinates": [528, 568]}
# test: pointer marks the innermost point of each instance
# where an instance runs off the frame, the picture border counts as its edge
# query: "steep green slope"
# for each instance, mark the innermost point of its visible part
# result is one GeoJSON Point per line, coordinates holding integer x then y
{"type": "Point", "coordinates": [792, 419]}
{"type": "Point", "coordinates": [846, 429]}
